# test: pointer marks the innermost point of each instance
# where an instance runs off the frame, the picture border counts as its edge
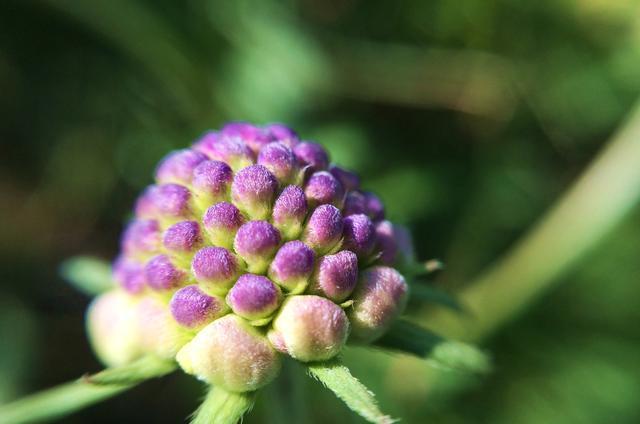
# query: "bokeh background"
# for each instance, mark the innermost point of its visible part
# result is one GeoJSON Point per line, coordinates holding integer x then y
{"type": "Point", "coordinates": [469, 119]}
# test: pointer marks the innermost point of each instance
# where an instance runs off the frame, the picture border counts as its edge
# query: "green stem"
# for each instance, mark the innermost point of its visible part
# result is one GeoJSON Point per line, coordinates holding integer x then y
{"type": "Point", "coordinates": [599, 199]}
{"type": "Point", "coordinates": [62, 400]}
{"type": "Point", "coordinates": [222, 407]}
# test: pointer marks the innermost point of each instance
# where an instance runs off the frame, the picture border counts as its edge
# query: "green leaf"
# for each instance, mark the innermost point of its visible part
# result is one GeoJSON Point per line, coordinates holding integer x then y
{"type": "Point", "coordinates": [62, 400]}
{"type": "Point", "coordinates": [222, 407]}
{"type": "Point", "coordinates": [133, 373]}
{"type": "Point", "coordinates": [90, 275]}
{"type": "Point", "coordinates": [355, 395]}
{"type": "Point", "coordinates": [410, 338]}
{"type": "Point", "coordinates": [407, 337]}
{"type": "Point", "coordinates": [425, 293]}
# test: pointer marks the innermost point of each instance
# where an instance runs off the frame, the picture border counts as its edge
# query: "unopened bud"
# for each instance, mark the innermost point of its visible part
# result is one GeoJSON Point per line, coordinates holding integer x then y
{"type": "Point", "coordinates": [322, 188]}
{"type": "Point", "coordinates": [309, 328]}
{"type": "Point", "coordinates": [359, 235]}
{"type": "Point", "coordinates": [160, 334]}
{"type": "Point", "coordinates": [162, 275]}
{"type": "Point", "coordinates": [216, 269]}
{"type": "Point", "coordinates": [290, 211]}
{"type": "Point", "coordinates": [141, 237]}
{"type": "Point", "coordinates": [324, 229]}
{"type": "Point", "coordinates": [222, 148]}
{"type": "Point", "coordinates": [380, 296]}
{"type": "Point", "coordinates": [336, 276]}
{"type": "Point", "coordinates": [232, 354]}
{"type": "Point", "coordinates": [312, 155]}
{"type": "Point", "coordinates": [257, 242]}
{"type": "Point", "coordinates": [192, 308]}
{"type": "Point", "coordinates": [254, 297]}
{"type": "Point", "coordinates": [129, 274]}
{"type": "Point", "coordinates": [348, 179]}
{"type": "Point", "coordinates": [111, 327]}
{"type": "Point", "coordinates": [177, 167]}
{"type": "Point", "coordinates": [166, 202]}
{"type": "Point", "coordinates": [221, 222]}
{"type": "Point", "coordinates": [292, 266]}
{"type": "Point", "coordinates": [279, 159]}
{"type": "Point", "coordinates": [211, 183]}
{"type": "Point", "coordinates": [253, 191]}
{"type": "Point", "coordinates": [283, 134]}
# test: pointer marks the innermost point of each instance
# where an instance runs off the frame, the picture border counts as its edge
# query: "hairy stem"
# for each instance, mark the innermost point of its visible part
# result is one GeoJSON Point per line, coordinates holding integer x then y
{"type": "Point", "coordinates": [222, 407]}
{"type": "Point", "coordinates": [598, 200]}
{"type": "Point", "coordinates": [62, 400]}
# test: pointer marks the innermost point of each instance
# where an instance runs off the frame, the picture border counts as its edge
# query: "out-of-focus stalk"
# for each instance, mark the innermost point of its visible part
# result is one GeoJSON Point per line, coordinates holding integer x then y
{"type": "Point", "coordinates": [597, 201]}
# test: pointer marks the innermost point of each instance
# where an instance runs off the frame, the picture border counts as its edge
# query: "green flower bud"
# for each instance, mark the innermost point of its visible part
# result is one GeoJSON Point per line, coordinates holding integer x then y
{"type": "Point", "coordinates": [109, 324]}
{"type": "Point", "coordinates": [380, 296]}
{"type": "Point", "coordinates": [159, 332]}
{"type": "Point", "coordinates": [309, 328]}
{"type": "Point", "coordinates": [232, 354]}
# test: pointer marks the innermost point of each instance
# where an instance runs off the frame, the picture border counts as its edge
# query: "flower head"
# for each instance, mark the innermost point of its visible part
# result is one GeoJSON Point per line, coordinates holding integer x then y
{"type": "Point", "coordinates": [249, 246]}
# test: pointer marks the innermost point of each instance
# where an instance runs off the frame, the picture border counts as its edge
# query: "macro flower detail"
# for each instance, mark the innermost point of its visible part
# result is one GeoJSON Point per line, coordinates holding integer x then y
{"type": "Point", "coordinates": [251, 246]}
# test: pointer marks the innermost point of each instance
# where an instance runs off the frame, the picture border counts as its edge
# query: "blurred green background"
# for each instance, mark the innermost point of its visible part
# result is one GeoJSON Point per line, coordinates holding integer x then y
{"type": "Point", "coordinates": [468, 118]}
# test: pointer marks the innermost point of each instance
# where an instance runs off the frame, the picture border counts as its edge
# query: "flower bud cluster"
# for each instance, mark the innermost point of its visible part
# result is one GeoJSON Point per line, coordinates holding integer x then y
{"type": "Point", "coordinates": [249, 246]}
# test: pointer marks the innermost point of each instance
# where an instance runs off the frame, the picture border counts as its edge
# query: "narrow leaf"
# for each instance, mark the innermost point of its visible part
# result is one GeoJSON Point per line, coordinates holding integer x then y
{"type": "Point", "coordinates": [62, 400]}
{"type": "Point", "coordinates": [90, 275]}
{"type": "Point", "coordinates": [424, 293]}
{"type": "Point", "coordinates": [355, 395]}
{"type": "Point", "coordinates": [410, 338]}
{"type": "Point", "coordinates": [143, 369]}
{"type": "Point", "coordinates": [222, 407]}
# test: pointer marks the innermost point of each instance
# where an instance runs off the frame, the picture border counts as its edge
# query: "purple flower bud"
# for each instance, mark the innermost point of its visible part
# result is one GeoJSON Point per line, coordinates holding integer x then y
{"type": "Point", "coordinates": [256, 242]}
{"type": "Point", "coordinates": [354, 203]}
{"type": "Point", "coordinates": [159, 333]}
{"type": "Point", "coordinates": [183, 237]}
{"type": "Point", "coordinates": [311, 154]}
{"type": "Point", "coordinates": [161, 274]}
{"type": "Point", "coordinates": [211, 182]}
{"type": "Point", "coordinates": [348, 179]}
{"type": "Point", "coordinates": [168, 202]}
{"type": "Point", "coordinates": [292, 266]}
{"type": "Point", "coordinates": [129, 275]}
{"type": "Point", "coordinates": [216, 269]}
{"type": "Point", "coordinates": [141, 237]}
{"type": "Point", "coordinates": [253, 190]}
{"type": "Point", "coordinates": [221, 221]}
{"type": "Point", "coordinates": [279, 159]}
{"type": "Point", "coordinates": [374, 207]}
{"type": "Point", "coordinates": [309, 328]}
{"type": "Point", "coordinates": [192, 308]}
{"type": "Point", "coordinates": [336, 276]}
{"type": "Point", "coordinates": [290, 211]}
{"type": "Point", "coordinates": [359, 235]}
{"type": "Point", "coordinates": [406, 252]}
{"type": "Point", "coordinates": [379, 298]}
{"type": "Point", "coordinates": [225, 149]}
{"type": "Point", "coordinates": [323, 188]}
{"type": "Point", "coordinates": [232, 354]}
{"type": "Point", "coordinates": [177, 167]}
{"type": "Point", "coordinates": [254, 297]}
{"type": "Point", "coordinates": [386, 242]}
{"type": "Point", "coordinates": [111, 328]}
{"type": "Point", "coordinates": [324, 229]}
{"type": "Point", "coordinates": [252, 136]}
{"type": "Point", "coordinates": [283, 134]}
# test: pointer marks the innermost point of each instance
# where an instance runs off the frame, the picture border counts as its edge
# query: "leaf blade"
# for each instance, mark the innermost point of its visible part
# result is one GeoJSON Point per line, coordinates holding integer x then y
{"type": "Point", "coordinates": [89, 275]}
{"type": "Point", "coordinates": [337, 378]}
{"type": "Point", "coordinates": [62, 400]}
{"type": "Point", "coordinates": [404, 336]}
